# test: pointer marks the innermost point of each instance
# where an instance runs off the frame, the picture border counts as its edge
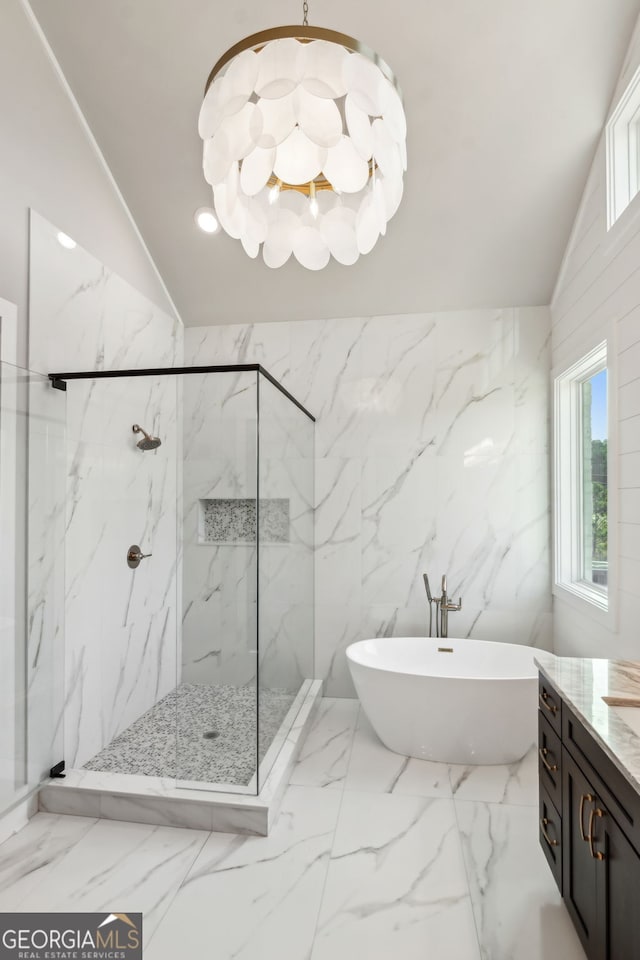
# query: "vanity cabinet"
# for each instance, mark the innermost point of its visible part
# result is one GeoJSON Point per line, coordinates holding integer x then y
{"type": "Point", "coordinates": [590, 835]}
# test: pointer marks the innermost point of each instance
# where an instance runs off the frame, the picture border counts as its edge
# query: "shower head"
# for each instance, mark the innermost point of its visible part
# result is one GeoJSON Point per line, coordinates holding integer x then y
{"type": "Point", "coordinates": [147, 442]}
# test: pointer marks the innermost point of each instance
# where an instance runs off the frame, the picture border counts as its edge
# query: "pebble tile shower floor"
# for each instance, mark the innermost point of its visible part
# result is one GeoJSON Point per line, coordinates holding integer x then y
{"type": "Point", "coordinates": [169, 739]}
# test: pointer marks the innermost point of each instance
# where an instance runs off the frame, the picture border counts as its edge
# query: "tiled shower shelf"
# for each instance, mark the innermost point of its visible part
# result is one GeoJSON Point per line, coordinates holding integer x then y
{"type": "Point", "coordinates": [233, 521]}
{"type": "Point", "coordinates": [157, 800]}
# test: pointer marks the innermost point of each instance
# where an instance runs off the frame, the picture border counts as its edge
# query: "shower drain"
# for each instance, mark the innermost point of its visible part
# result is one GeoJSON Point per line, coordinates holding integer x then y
{"type": "Point", "coordinates": [210, 735]}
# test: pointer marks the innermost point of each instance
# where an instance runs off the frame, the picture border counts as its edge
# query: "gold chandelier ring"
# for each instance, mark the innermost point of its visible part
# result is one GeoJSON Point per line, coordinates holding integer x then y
{"type": "Point", "coordinates": [305, 35]}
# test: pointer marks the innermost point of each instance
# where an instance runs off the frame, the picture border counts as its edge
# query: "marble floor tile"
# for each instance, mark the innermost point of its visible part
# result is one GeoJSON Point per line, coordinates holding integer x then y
{"type": "Point", "coordinates": [31, 857]}
{"type": "Point", "coordinates": [375, 769]}
{"type": "Point", "coordinates": [125, 866]}
{"type": "Point", "coordinates": [324, 757]}
{"type": "Point", "coordinates": [251, 898]}
{"type": "Point", "coordinates": [518, 910]}
{"type": "Point", "coordinates": [515, 783]}
{"type": "Point", "coordinates": [396, 885]}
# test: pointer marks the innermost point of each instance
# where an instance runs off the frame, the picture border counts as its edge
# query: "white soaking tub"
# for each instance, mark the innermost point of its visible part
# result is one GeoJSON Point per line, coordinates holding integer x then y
{"type": "Point", "coordinates": [452, 701]}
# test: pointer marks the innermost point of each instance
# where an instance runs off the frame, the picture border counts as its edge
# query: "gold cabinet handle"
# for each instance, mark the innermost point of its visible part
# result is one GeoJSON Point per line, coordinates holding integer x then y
{"type": "Point", "coordinates": [585, 798]}
{"type": "Point", "coordinates": [551, 767]}
{"type": "Point", "coordinates": [543, 698]}
{"type": "Point", "coordinates": [594, 853]}
{"type": "Point", "coordinates": [544, 823]}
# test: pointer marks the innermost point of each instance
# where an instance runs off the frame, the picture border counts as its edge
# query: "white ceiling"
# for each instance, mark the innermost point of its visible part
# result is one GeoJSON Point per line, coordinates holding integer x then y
{"type": "Point", "coordinates": [505, 101]}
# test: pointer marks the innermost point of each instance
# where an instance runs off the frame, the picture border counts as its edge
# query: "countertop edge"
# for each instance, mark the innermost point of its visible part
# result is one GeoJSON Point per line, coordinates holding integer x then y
{"type": "Point", "coordinates": [612, 754]}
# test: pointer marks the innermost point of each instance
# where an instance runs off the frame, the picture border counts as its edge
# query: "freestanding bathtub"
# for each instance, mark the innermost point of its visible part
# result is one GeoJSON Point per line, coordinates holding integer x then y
{"type": "Point", "coordinates": [453, 701]}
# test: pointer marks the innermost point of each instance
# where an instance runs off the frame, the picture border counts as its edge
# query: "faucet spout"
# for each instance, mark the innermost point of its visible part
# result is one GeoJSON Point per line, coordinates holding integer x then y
{"type": "Point", "coordinates": [446, 607]}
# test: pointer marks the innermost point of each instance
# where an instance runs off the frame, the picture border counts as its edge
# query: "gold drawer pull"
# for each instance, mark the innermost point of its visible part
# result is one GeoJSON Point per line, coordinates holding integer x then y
{"type": "Point", "coordinates": [594, 853]}
{"type": "Point", "coordinates": [543, 698]}
{"type": "Point", "coordinates": [585, 798]}
{"type": "Point", "coordinates": [551, 767]}
{"type": "Point", "coordinates": [543, 824]}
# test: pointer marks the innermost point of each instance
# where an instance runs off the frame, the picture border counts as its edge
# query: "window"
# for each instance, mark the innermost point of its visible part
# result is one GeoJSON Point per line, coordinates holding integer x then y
{"type": "Point", "coordinates": [623, 152]}
{"type": "Point", "coordinates": [582, 456]}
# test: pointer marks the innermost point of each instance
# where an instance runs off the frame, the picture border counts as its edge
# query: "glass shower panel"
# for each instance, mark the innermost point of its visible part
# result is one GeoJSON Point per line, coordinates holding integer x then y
{"type": "Point", "coordinates": [122, 614]}
{"type": "Point", "coordinates": [217, 701]}
{"type": "Point", "coordinates": [285, 564]}
{"type": "Point", "coordinates": [32, 492]}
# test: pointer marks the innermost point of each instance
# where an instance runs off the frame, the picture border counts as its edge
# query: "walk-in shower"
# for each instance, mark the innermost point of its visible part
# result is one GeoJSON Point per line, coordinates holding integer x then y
{"type": "Point", "coordinates": [186, 666]}
{"type": "Point", "coordinates": [207, 646]}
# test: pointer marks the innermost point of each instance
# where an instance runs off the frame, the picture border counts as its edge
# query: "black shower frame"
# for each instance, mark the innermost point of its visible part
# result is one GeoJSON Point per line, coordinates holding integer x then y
{"type": "Point", "coordinates": [59, 382]}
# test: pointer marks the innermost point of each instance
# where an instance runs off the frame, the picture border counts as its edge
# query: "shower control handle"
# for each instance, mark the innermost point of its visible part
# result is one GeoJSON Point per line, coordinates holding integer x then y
{"type": "Point", "coordinates": [135, 555]}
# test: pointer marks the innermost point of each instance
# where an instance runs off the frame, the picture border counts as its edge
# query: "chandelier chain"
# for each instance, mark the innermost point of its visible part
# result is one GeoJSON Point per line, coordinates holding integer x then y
{"type": "Point", "coordinates": [305, 13]}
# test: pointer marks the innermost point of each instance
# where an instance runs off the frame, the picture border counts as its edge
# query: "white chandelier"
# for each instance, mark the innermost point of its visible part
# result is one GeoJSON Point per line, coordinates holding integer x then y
{"type": "Point", "coordinates": [304, 145]}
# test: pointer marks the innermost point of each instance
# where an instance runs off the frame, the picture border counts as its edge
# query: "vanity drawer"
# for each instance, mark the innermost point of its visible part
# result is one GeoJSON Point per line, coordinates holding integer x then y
{"type": "Point", "coordinates": [550, 760]}
{"type": "Point", "coordinates": [550, 827]}
{"type": "Point", "coordinates": [550, 704]}
{"type": "Point", "coordinates": [615, 791]}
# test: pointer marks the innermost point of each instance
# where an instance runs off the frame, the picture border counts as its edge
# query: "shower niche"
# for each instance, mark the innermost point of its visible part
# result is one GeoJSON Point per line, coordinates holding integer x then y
{"type": "Point", "coordinates": [236, 520]}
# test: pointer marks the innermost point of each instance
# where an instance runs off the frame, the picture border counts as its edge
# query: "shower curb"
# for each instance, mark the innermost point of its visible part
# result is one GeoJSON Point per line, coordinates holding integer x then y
{"type": "Point", "coordinates": [139, 799]}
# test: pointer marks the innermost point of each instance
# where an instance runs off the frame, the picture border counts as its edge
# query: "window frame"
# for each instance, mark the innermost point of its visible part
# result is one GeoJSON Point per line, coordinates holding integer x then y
{"type": "Point", "coordinates": [622, 136]}
{"type": "Point", "coordinates": [568, 520]}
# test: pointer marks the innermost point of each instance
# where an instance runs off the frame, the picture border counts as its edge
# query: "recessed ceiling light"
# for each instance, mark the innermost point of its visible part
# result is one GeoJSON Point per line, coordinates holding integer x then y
{"type": "Point", "coordinates": [66, 241]}
{"type": "Point", "coordinates": [206, 220]}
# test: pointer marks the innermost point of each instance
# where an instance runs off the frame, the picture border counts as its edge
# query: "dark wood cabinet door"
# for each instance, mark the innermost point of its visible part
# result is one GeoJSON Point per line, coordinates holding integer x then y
{"type": "Point", "coordinates": [618, 889]}
{"type": "Point", "coordinates": [579, 868]}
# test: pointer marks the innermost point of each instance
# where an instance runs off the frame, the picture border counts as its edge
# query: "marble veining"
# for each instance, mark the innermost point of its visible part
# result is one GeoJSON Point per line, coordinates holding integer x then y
{"type": "Point", "coordinates": [224, 576]}
{"type": "Point", "coordinates": [367, 858]}
{"type": "Point", "coordinates": [583, 683]}
{"type": "Point", "coordinates": [121, 645]}
{"type": "Point", "coordinates": [517, 907]}
{"type": "Point", "coordinates": [432, 454]}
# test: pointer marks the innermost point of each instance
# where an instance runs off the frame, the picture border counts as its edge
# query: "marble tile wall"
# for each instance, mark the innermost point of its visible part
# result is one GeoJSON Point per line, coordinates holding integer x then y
{"type": "Point", "coordinates": [11, 630]}
{"type": "Point", "coordinates": [44, 672]}
{"type": "Point", "coordinates": [121, 626]}
{"type": "Point", "coordinates": [432, 455]}
{"type": "Point", "coordinates": [220, 583]}
{"type": "Point", "coordinates": [219, 599]}
{"type": "Point", "coordinates": [286, 572]}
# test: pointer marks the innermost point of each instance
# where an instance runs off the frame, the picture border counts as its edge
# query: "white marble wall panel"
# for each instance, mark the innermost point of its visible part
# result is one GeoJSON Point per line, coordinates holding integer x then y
{"type": "Point", "coordinates": [11, 627]}
{"type": "Point", "coordinates": [122, 630]}
{"type": "Point", "coordinates": [286, 573]}
{"type": "Point", "coordinates": [221, 580]}
{"type": "Point", "coordinates": [45, 575]}
{"type": "Point", "coordinates": [83, 316]}
{"type": "Point", "coordinates": [432, 445]}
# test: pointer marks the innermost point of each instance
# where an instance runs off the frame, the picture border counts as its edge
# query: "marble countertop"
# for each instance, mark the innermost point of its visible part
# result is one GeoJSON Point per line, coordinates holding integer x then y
{"type": "Point", "coordinates": [582, 683]}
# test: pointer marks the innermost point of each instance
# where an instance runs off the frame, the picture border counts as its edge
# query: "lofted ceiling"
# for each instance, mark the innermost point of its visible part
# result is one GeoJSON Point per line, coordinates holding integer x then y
{"type": "Point", "coordinates": [505, 102]}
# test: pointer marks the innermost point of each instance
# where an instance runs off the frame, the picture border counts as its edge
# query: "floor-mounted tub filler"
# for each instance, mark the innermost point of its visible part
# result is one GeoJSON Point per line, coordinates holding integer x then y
{"type": "Point", "coordinates": [448, 700]}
